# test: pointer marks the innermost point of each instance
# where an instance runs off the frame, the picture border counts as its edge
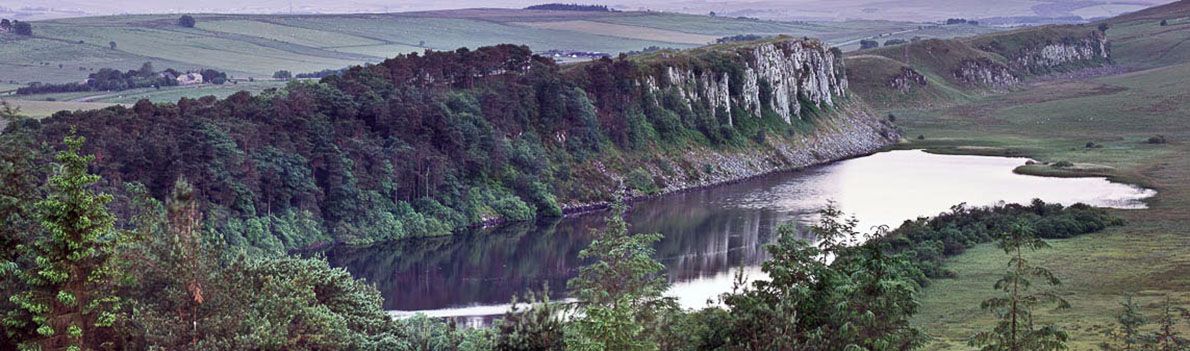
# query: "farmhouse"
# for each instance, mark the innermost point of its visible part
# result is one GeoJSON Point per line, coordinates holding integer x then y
{"type": "Point", "coordinates": [190, 79]}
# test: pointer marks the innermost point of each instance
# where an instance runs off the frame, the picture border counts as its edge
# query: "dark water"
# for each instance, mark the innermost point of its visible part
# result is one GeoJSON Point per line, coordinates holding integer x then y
{"type": "Point", "coordinates": [709, 234]}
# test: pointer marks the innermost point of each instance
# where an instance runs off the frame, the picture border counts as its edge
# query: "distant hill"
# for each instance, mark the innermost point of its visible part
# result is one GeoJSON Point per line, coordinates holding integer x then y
{"type": "Point", "coordinates": [941, 71]}
{"type": "Point", "coordinates": [67, 50]}
{"type": "Point", "coordinates": [570, 7]}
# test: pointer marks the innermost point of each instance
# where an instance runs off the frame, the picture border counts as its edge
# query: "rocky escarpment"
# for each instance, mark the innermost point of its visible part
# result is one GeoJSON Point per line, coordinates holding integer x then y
{"type": "Point", "coordinates": [986, 73]}
{"type": "Point", "coordinates": [784, 75]}
{"type": "Point", "coordinates": [995, 61]}
{"type": "Point", "coordinates": [853, 131]}
{"type": "Point", "coordinates": [906, 80]}
{"type": "Point", "coordinates": [799, 81]}
{"type": "Point", "coordinates": [1046, 58]}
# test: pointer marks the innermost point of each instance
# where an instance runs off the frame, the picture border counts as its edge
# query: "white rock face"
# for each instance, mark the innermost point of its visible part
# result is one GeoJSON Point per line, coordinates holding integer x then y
{"type": "Point", "coordinates": [792, 69]}
{"type": "Point", "coordinates": [1054, 55]}
{"type": "Point", "coordinates": [1090, 48]}
{"type": "Point", "coordinates": [986, 73]}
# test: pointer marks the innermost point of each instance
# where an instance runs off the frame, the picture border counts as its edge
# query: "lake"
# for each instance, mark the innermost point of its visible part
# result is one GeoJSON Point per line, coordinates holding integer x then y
{"type": "Point", "coordinates": [710, 234]}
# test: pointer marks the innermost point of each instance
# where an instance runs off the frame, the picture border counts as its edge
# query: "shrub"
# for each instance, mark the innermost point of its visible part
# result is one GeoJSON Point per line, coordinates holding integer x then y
{"type": "Point", "coordinates": [892, 118]}
{"type": "Point", "coordinates": [921, 137]}
{"type": "Point", "coordinates": [1063, 164]}
{"type": "Point", "coordinates": [513, 209]}
{"type": "Point", "coordinates": [1157, 139]}
{"type": "Point", "coordinates": [186, 21]}
{"type": "Point", "coordinates": [868, 44]}
{"type": "Point", "coordinates": [640, 179]}
{"type": "Point", "coordinates": [23, 28]}
{"type": "Point", "coordinates": [282, 74]}
{"type": "Point", "coordinates": [1164, 23]}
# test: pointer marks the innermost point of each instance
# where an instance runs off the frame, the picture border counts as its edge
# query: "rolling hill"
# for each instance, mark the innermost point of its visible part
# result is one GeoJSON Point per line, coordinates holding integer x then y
{"type": "Point", "coordinates": [66, 50]}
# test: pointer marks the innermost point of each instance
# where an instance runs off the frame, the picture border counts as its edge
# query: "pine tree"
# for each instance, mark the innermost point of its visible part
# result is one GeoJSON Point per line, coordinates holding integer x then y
{"type": "Point", "coordinates": [67, 294]}
{"type": "Point", "coordinates": [1128, 336]}
{"type": "Point", "coordinates": [1166, 337]}
{"type": "Point", "coordinates": [1017, 330]}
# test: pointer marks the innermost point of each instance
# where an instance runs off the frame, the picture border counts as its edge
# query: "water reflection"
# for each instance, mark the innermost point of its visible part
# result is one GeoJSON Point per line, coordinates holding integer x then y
{"type": "Point", "coordinates": [709, 234]}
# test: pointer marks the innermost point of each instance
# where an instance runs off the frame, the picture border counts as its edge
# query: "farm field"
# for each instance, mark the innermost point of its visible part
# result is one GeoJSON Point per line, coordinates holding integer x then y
{"type": "Point", "coordinates": [1054, 121]}
{"type": "Point", "coordinates": [66, 50]}
{"type": "Point", "coordinates": [42, 109]}
{"type": "Point", "coordinates": [165, 94]}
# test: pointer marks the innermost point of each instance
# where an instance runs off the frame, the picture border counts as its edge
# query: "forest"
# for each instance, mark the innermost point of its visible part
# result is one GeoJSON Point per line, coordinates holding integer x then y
{"type": "Point", "coordinates": [419, 145]}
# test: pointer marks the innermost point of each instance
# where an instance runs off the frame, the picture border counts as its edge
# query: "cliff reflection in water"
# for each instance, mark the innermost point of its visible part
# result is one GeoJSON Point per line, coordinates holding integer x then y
{"type": "Point", "coordinates": [488, 267]}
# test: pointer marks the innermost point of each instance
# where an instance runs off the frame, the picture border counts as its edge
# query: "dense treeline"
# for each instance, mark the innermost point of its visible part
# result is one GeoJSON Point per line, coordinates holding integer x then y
{"type": "Point", "coordinates": [107, 79]}
{"type": "Point", "coordinates": [741, 37]}
{"type": "Point", "coordinates": [16, 27]}
{"type": "Point", "coordinates": [570, 7]}
{"type": "Point", "coordinates": [929, 241]}
{"type": "Point", "coordinates": [320, 74]}
{"type": "Point", "coordinates": [418, 145]}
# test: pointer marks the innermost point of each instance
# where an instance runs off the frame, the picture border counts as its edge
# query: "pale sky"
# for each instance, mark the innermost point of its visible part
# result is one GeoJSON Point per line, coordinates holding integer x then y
{"type": "Point", "coordinates": [909, 10]}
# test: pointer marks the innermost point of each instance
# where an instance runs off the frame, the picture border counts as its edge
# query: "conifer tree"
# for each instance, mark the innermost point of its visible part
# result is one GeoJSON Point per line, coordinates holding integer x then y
{"type": "Point", "coordinates": [1017, 330]}
{"type": "Point", "coordinates": [1128, 336]}
{"type": "Point", "coordinates": [67, 293]}
{"type": "Point", "coordinates": [1166, 338]}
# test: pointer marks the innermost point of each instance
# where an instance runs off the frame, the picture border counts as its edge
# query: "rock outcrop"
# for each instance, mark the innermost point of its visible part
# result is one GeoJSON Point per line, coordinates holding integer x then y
{"type": "Point", "coordinates": [1068, 51]}
{"type": "Point", "coordinates": [986, 73]}
{"type": "Point", "coordinates": [906, 80]}
{"type": "Point", "coordinates": [782, 74]}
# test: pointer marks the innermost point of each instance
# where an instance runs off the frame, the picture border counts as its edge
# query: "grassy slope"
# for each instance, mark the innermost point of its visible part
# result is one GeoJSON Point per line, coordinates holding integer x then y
{"type": "Point", "coordinates": [1052, 121]}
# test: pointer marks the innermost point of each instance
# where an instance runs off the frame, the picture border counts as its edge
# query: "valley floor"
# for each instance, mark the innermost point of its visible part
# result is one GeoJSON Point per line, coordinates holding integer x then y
{"type": "Point", "coordinates": [1103, 124]}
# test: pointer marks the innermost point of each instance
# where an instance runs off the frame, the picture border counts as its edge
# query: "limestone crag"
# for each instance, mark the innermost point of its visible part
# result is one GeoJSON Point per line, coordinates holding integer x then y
{"type": "Point", "coordinates": [1092, 48]}
{"type": "Point", "coordinates": [986, 73]}
{"type": "Point", "coordinates": [852, 130]}
{"type": "Point", "coordinates": [793, 72]}
{"type": "Point", "coordinates": [907, 80]}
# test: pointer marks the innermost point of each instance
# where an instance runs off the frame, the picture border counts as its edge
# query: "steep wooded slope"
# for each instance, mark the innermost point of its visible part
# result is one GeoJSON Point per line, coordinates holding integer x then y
{"type": "Point", "coordinates": [425, 144]}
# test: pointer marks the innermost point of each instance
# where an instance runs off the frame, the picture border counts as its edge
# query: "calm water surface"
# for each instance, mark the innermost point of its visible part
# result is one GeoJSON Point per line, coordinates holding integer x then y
{"type": "Point", "coordinates": [709, 234]}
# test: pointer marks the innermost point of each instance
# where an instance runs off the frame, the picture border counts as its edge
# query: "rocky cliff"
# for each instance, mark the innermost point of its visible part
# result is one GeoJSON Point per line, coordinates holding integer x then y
{"type": "Point", "coordinates": [799, 83]}
{"type": "Point", "coordinates": [782, 74]}
{"type": "Point", "coordinates": [1048, 49]}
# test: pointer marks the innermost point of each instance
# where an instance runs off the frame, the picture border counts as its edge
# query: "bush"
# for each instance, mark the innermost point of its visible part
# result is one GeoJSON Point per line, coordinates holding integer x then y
{"type": "Point", "coordinates": [640, 179]}
{"type": "Point", "coordinates": [892, 118]}
{"type": "Point", "coordinates": [1063, 164]}
{"type": "Point", "coordinates": [868, 44]}
{"type": "Point", "coordinates": [1164, 23]}
{"type": "Point", "coordinates": [1157, 139]}
{"type": "Point", "coordinates": [23, 28]}
{"type": "Point", "coordinates": [282, 74]}
{"type": "Point", "coordinates": [186, 21]}
{"type": "Point", "coordinates": [921, 137]}
{"type": "Point", "coordinates": [892, 42]}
